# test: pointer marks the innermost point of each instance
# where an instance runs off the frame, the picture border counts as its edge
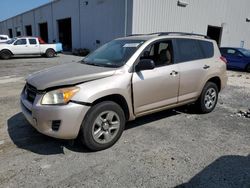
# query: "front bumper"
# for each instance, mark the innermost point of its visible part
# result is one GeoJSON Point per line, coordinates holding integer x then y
{"type": "Point", "coordinates": [41, 117]}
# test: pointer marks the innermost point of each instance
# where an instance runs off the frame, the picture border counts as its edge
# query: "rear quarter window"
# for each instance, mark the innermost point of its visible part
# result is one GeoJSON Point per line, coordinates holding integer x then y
{"type": "Point", "coordinates": [207, 48]}
{"type": "Point", "coordinates": [191, 49]}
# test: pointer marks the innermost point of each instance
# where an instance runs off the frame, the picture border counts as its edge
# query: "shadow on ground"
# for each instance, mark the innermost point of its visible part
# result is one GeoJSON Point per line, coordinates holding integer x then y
{"type": "Point", "coordinates": [226, 172]}
{"type": "Point", "coordinates": [26, 137]}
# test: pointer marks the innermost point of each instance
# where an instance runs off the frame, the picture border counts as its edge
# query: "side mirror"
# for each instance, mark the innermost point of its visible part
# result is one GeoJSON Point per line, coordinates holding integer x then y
{"type": "Point", "coordinates": [145, 64]}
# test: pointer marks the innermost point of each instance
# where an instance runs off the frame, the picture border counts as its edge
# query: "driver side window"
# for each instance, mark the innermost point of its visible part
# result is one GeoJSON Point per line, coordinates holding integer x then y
{"type": "Point", "coordinates": [160, 52]}
{"type": "Point", "coordinates": [21, 42]}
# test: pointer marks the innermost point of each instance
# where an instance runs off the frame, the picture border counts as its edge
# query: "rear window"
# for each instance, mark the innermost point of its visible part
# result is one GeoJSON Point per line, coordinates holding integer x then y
{"type": "Point", "coordinates": [3, 38]}
{"type": "Point", "coordinates": [191, 49]}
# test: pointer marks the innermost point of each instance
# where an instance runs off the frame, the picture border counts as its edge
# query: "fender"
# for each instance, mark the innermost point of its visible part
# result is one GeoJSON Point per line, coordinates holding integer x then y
{"type": "Point", "coordinates": [94, 90]}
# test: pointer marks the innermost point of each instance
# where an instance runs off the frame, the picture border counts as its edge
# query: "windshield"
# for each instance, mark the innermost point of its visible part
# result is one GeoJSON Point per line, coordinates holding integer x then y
{"type": "Point", "coordinates": [11, 41]}
{"type": "Point", "coordinates": [245, 52]}
{"type": "Point", "coordinates": [113, 54]}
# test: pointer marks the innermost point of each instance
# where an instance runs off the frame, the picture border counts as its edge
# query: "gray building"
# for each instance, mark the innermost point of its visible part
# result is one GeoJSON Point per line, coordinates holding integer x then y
{"type": "Point", "coordinates": [90, 23]}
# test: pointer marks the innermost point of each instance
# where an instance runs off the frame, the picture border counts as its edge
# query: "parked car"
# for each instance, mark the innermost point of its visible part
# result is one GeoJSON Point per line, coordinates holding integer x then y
{"type": "Point", "coordinates": [4, 38]}
{"type": "Point", "coordinates": [28, 46]}
{"type": "Point", "coordinates": [237, 58]}
{"type": "Point", "coordinates": [122, 80]}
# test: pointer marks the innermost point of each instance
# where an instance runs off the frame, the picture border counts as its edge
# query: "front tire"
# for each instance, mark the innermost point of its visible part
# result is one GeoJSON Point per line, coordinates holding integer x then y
{"type": "Point", "coordinates": [5, 54]}
{"type": "Point", "coordinates": [50, 53]}
{"type": "Point", "coordinates": [103, 126]}
{"type": "Point", "coordinates": [208, 98]}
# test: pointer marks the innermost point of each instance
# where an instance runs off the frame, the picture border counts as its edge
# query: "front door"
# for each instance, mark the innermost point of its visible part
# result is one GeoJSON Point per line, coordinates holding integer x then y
{"type": "Point", "coordinates": [20, 47]}
{"type": "Point", "coordinates": [156, 88]}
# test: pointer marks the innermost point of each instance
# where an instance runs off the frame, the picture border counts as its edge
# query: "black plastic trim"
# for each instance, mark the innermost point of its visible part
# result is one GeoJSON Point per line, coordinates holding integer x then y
{"type": "Point", "coordinates": [81, 103]}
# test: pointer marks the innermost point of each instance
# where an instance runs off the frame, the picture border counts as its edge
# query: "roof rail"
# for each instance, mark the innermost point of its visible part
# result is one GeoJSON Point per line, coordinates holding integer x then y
{"type": "Point", "coordinates": [179, 33]}
{"type": "Point", "coordinates": [135, 35]}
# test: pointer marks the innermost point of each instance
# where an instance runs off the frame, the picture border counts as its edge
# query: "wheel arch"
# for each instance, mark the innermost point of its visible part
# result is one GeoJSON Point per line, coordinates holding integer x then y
{"type": "Point", "coordinates": [117, 98]}
{"type": "Point", "coordinates": [7, 50]}
{"type": "Point", "coordinates": [50, 49]}
{"type": "Point", "coordinates": [215, 80]}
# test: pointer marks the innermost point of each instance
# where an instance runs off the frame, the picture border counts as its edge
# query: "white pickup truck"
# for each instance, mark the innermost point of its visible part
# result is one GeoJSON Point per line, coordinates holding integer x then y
{"type": "Point", "coordinates": [28, 46]}
{"type": "Point", "coordinates": [4, 38]}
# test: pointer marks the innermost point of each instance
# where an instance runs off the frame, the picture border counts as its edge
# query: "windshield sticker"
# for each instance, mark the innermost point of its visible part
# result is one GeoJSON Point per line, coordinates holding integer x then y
{"type": "Point", "coordinates": [131, 45]}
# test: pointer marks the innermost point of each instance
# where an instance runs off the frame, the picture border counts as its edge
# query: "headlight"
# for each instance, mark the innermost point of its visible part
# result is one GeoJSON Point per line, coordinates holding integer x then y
{"type": "Point", "coordinates": [59, 96]}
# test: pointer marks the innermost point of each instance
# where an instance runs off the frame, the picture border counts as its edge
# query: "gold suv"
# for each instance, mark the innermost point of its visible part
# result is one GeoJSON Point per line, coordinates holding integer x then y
{"type": "Point", "coordinates": [122, 80]}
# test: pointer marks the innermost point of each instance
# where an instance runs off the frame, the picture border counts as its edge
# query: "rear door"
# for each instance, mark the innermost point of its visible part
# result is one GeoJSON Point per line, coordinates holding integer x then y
{"type": "Point", "coordinates": [195, 61]}
{"type": "Point", "coordinates": [156, 88]}
{"type": "Point", "coordinates": [33, 47]}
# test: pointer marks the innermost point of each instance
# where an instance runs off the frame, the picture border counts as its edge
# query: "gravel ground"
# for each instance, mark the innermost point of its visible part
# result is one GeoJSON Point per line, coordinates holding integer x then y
{"type": "Point", "coordinates": [174, 148]}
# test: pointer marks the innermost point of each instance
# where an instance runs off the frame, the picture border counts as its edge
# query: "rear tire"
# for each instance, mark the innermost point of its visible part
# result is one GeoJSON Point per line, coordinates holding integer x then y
{"type": "Point", "coordinates": [102, 126]}
{"type": "Point", "coordinates": [248, 68]}
{"type": "Point", "coordinates": [208, 98]}
{"type": "Point", "coordinates": [5, 54]}
{"type": "Point", "coordinates": [50, 53]}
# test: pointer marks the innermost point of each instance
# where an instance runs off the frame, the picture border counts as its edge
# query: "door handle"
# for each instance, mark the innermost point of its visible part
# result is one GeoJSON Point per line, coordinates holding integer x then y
{"type": "Point", "coordinates": [206, 67]}
{"type": "Point", "coordinates": [173, 73]}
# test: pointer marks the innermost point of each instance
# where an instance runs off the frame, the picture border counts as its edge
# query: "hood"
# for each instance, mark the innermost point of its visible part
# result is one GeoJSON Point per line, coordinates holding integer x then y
{"type": "Point", "coordinates": [68, 74]}
{"type": "Point", "coordinates": [4, 45]}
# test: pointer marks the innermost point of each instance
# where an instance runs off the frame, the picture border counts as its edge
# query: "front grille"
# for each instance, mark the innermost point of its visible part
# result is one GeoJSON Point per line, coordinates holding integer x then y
{"type": "Point", "coordinates": [30, 93]}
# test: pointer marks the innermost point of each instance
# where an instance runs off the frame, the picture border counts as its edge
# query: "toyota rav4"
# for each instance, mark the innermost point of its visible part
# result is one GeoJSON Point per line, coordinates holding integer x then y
{"type": "Point", "coordinates": [122, 80]}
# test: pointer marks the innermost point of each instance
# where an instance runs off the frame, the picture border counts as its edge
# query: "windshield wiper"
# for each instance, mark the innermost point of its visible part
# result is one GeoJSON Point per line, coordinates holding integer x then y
{"type": "Point", "coordinates": [111, 65]}
{"type": "Point", "coordinates": [99, 64]}
{"type": "Point", "coordinates": [91, 63]}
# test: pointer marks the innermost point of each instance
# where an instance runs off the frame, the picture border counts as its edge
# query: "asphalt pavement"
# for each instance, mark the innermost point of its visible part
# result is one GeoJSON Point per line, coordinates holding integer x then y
{"type": "Point", "coordinates": [173, 148]}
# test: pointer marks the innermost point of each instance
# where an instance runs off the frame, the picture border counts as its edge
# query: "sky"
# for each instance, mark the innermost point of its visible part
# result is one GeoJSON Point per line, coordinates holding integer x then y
{"type": "Point", "coordinates": [10, 8]}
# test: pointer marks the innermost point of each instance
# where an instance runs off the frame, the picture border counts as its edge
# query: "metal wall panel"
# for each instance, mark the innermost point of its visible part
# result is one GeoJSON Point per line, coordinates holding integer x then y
{"type": "Point", "coordinates": [42, 15]}
{"type": "Point", "coordinates": [29, 19]}
{"type": "Point", "coordinates": [164, 15]}
{"type": "Point", "coordinates": [92, 21]}
{"type": "Point", "coordinates": [104, 20]}
{"type": "Point", "coordinates": [101, 21]}
{"type": "Point", "coordinates": [67, 9]}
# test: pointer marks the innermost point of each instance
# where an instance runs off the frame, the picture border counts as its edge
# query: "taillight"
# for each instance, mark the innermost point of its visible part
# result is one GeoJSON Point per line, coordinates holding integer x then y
{"type": "Point", "coordinates": [223, 59]}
